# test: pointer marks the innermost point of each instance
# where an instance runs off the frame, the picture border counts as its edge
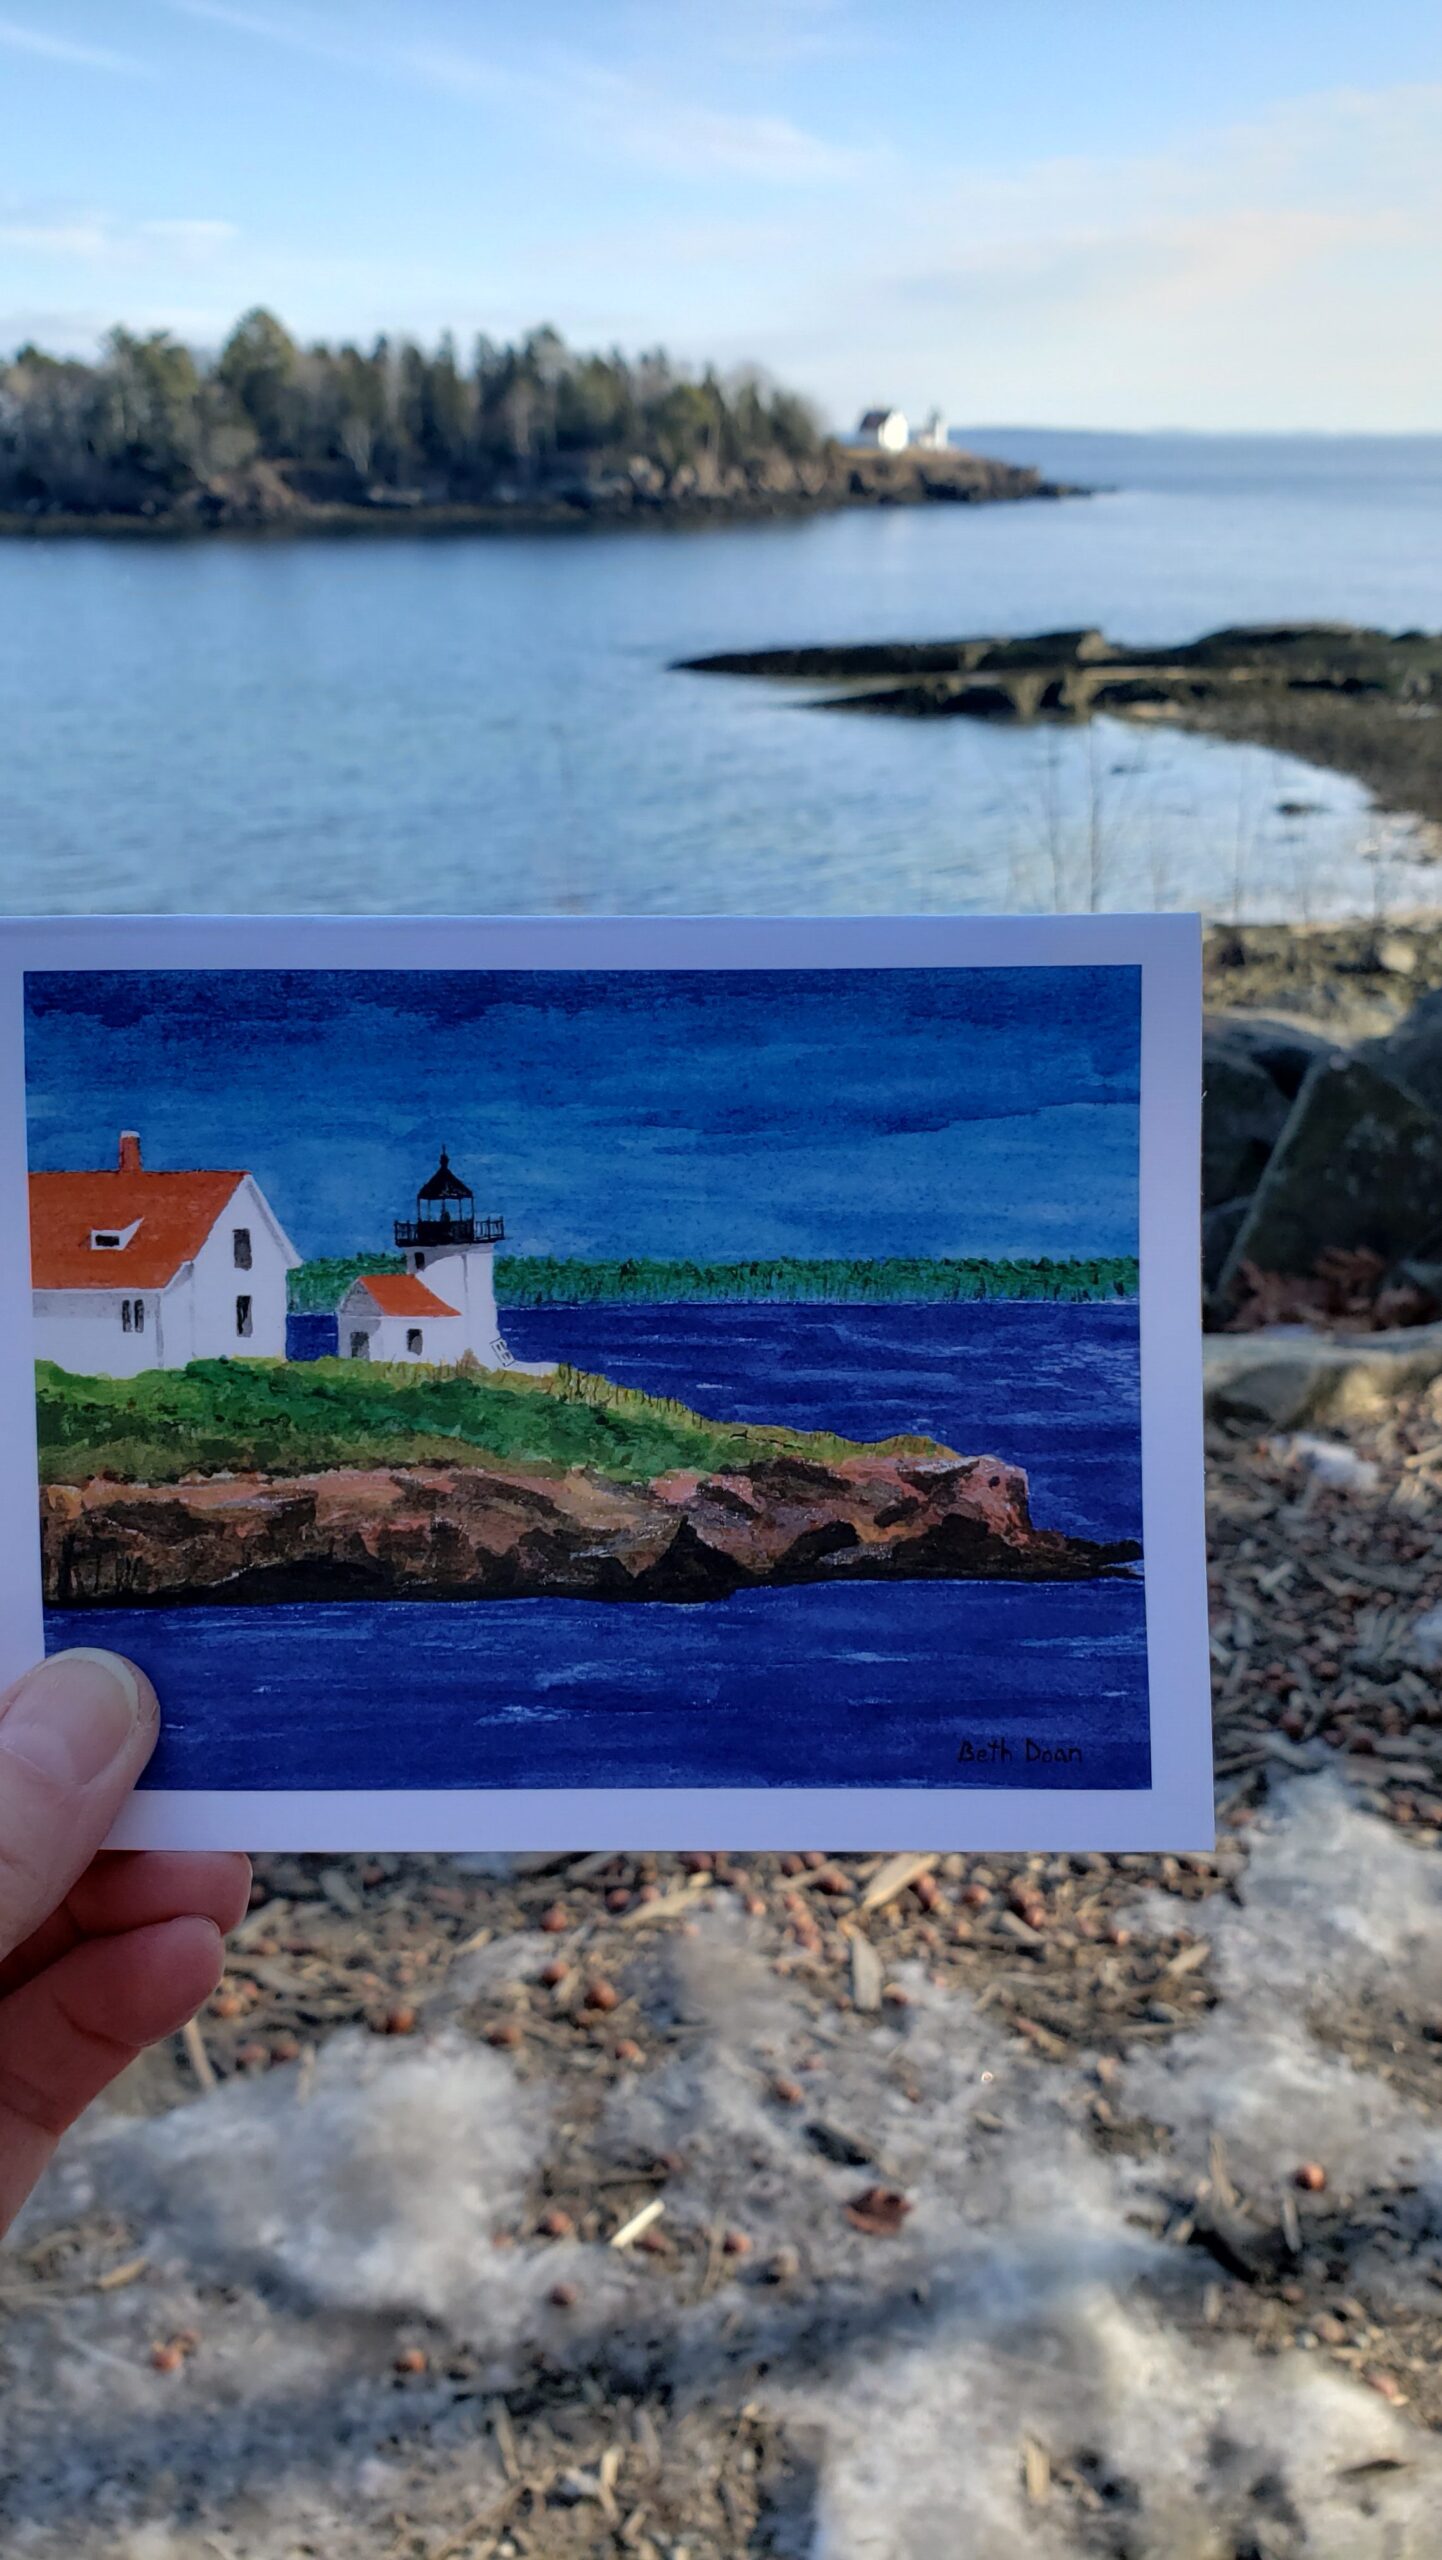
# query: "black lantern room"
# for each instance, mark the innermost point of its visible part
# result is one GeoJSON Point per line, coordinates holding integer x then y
{"type": "Point", "coordinates": [446, 1214]}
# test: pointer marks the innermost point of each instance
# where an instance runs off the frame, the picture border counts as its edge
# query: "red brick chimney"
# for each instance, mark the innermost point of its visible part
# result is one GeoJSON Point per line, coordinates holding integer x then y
{"type": "Point", "coordinates": [129, 1151]}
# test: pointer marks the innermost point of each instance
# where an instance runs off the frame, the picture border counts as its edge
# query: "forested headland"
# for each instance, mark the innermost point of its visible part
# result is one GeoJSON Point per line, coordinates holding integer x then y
{"type": "Point", "coordinates": [546, 1280]}
{"type": "Point", "coordinates": [270, 432]}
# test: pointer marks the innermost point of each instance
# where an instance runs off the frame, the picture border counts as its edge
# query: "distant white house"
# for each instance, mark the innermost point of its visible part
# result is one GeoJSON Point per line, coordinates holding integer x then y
{"type": "Point", "coordinates": [885, 429]}
{"type": "Point", "coordinates": [931, 436]}
{"type": "Point", "coordinates": [135, 1270]}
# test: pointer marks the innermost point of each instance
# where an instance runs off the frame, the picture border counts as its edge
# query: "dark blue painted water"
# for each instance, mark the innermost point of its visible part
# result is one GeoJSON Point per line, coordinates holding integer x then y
{"type": "Point", "coordinates": [1051, 1388]}
{"type": "Point", "coordinates": [846, 1686]}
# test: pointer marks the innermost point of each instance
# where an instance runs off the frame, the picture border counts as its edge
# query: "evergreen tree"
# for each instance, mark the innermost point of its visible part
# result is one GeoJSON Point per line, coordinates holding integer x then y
{"type": "Point", "coordinates": [258, 367]}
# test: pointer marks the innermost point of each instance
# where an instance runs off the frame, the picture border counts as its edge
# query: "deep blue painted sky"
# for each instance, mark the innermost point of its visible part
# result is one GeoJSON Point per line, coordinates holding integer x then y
{"type": "Point", "coordinates": [717, 1114]}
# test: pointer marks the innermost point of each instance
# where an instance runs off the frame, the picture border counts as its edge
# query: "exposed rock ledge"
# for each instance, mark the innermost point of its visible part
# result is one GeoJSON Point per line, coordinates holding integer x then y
{"type": "Point", "coordinates": [1358, 701]}
{"type": "Point", "coordinates": [494, 1533]}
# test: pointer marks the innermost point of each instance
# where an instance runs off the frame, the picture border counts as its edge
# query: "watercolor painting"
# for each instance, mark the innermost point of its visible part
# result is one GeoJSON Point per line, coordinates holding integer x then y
{"type": "Point", "coordinates": [533, 1378]}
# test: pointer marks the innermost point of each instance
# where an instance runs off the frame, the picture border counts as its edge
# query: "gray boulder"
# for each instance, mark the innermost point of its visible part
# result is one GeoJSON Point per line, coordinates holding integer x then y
{"type": "Point", "coordinates": [1359, 1163]}
{"type": "Point", "coordinates": [1243, 1115]}
{"type": "Point", "coordinates": [1283, 1050]}
{"type": "Point", "coordinates": [1286, 1377]}
{"type": "Point", "coordinates": [1413, 1052]}
{"type": "Point", "coordinates": [1220, 1230]}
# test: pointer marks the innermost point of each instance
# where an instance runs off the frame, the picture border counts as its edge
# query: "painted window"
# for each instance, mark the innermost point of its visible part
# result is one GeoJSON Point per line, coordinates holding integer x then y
{"type": "Point", "coordinates": [140, 1315]}
{"type": "Point", "coordinates": [240, 1241]}
{"type": "Point", "coordinates": [105, 1241]}
{"type": "Point", "coordinates": [125, 1315]}
{"type": "Point", "coordinates": [242, 1316]}
{"type": "Point", "coordinates": [413, 1339]}
{"type": "Point", "coordinates": [360, 1346]}
{"type": "Point", "coordinates": [420, 1262]}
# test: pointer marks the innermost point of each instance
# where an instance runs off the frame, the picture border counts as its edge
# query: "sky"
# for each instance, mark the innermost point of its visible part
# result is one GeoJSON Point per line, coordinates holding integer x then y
{"type": "Point", "coordinates": [1133, 216]}
{"type": "Point", "coordinates": [722, 1115]}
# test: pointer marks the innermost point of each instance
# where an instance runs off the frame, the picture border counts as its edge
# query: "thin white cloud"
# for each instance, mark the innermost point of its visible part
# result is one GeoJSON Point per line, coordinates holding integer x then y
{"type": "Point", "coordinates": [1315, 169]}
{"type": "Point", "coordinates": [103, 239]}
{"type": "Point", "coordinates": [656, 130]}
{"type": "Point", "coordinates": [758, 35]}
{"type": "Point", "coordinates": [193, 239]}
{"type": "Point", "coordinates": [49, 47]}
{"type": "Point", "coordinates": [435, 66]}
{"type": "Point", "coordinates": [77, 239]}
{"type": "Point", "coordinates": [610, 111]}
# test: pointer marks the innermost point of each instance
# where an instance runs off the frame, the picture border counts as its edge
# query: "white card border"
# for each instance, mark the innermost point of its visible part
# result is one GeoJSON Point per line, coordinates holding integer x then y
{"type": "Point", "coordinates": [1174, 1813]}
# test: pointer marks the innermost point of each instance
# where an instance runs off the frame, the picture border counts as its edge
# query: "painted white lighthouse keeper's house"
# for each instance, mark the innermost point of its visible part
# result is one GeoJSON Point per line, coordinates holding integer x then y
{"type": "Point", "coordinates": [136, 1270]}
{"type": "Point", "coordinates": [444, 1303]}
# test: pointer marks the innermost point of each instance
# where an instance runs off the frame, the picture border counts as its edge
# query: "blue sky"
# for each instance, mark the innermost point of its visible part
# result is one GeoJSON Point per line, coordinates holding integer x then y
{"type": "Point", "coordinates": [728, 1115]}
{"type": "Point", "coordinates": [1124, 216]}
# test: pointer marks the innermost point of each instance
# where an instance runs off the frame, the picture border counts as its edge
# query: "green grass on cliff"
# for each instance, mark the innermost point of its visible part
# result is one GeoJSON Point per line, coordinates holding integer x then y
{"type": "Point", "coordinates": [288, 1419]}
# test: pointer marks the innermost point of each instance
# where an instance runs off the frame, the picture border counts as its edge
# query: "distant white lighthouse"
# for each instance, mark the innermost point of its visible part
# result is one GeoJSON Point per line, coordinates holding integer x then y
{"type": "Point", "coordinates": [455, 1252]}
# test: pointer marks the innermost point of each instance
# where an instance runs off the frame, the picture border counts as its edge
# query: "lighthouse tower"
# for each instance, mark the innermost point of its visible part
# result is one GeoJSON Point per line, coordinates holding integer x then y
{"type": "Point", "coordinates": [454, 1251]}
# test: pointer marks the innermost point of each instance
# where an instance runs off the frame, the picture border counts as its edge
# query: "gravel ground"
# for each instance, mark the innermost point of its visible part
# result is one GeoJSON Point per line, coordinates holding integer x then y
{"type": "Point", "coordinates": [1355, 979]}
{"type": "Point", "coordinates": [859, 2206]}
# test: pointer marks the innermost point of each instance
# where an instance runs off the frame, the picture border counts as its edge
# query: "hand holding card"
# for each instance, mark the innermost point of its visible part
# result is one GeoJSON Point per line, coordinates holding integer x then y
{"type": "Point", "coordinates": [99, 1955]}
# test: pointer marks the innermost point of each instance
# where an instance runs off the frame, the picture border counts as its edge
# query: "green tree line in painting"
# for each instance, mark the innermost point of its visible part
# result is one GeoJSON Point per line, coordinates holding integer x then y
{"type": "Point", "coordinates": [546, 1280]}
{"type": "Point", "coordinates": [540, 1280]}
{"type": "Point", "coordinates": [150, 420]}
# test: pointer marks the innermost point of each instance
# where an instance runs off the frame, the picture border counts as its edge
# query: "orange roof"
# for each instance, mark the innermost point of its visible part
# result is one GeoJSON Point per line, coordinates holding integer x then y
{"type": "Point", "coordinates": [400, 1293]}
{"type": "Point", "coordinates": [176, 1212]}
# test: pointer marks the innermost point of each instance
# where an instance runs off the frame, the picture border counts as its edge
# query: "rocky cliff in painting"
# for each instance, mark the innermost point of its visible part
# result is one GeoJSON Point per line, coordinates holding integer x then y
{"type": "Point", "coordinates": [472, 1532]}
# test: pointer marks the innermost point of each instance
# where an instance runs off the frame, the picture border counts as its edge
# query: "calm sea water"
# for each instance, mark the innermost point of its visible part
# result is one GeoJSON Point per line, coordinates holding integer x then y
{"type": "Point", "coordinates": [418, 724]}
{"type": "Point", "coordinates": [871, 1685]}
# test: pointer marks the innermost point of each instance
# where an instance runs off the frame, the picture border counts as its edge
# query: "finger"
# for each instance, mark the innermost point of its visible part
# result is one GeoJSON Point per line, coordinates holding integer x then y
{"type": "Point", "coordinates": [74, 1737]}
{"type": "Point", "coordinates": [127, 1889]}
{"type": "Point", "coordinates": [66, 2035]}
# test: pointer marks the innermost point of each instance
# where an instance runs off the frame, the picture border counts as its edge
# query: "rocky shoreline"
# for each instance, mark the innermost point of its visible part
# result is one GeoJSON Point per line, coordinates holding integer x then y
{"type": "Point", "coordinates": [273, 497]}
{"type": "Point", "coordinates": [1351, 979]}
{"type": "Point", "coordinates": [489, 1532]}
{"type": "Point", "coordinates": [1365, 703]}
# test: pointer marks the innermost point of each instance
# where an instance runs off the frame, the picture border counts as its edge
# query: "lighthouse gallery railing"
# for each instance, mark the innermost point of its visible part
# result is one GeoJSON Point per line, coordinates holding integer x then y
{"type": "Point", "coordinates": [427, 1231]}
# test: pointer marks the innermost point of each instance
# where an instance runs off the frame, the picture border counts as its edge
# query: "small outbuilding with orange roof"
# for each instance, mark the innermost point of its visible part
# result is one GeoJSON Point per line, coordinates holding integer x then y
{"type": "Point", "coordinates": [392, 1315]}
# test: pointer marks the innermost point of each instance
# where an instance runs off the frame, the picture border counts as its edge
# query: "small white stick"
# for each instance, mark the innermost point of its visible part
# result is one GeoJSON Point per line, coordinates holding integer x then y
{"type": "Point", "coordinates": [638, 2223]}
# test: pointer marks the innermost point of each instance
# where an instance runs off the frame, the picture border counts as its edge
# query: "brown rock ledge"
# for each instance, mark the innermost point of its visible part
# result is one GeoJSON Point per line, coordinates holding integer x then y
{"type": "Point", "coordinates": [498, 1533]}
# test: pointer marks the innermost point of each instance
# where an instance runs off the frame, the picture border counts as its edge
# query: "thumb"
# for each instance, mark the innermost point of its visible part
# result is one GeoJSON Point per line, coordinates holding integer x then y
{"type": "Point", "coordinates": [74, 1736]}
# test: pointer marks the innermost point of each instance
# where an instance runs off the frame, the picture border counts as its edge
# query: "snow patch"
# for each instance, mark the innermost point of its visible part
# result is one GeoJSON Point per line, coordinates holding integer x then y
{"type": "Point", "coordinates": [1021, 2369]}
